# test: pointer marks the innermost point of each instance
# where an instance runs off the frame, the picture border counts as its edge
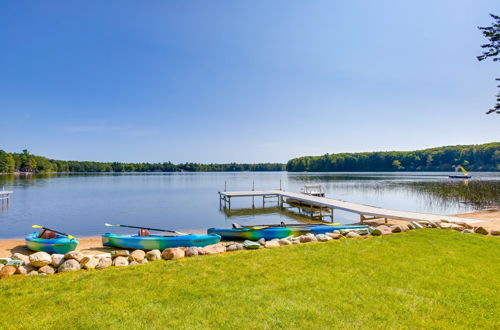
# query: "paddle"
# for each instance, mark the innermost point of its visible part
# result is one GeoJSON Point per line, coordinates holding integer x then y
{"type": "Point", "coordinates": [164, 230]}
{"type": "Point", "coordinates": [55, 231]}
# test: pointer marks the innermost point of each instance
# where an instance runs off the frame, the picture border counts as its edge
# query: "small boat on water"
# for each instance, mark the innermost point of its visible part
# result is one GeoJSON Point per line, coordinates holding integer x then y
{"type": "Point", "coordinates": [465, 174]}
{"type": "Point", "coordinates": [160, 242]}
{"type": "Point", "coordinates": [57, 244]}
{"type": "Point", "coordinates": [281, 231]}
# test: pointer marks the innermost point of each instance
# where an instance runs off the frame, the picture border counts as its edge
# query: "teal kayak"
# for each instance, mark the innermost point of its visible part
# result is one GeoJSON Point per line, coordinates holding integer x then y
{"type": "Point", "coordinates": [272, 231]}
{"type": "Point", "coordinates": [61, 244]}
{"type": "Point", "coordinates": [158, 242]}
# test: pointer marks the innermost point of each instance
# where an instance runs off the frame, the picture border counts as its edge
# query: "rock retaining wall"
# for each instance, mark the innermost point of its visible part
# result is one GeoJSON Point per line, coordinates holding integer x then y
{"type": "Point", "coordinates": [42, 263]}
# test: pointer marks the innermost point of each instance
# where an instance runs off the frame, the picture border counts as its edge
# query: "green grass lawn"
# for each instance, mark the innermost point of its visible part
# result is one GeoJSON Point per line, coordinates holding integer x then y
{"type": "Point", "coordinates": [420, 279]}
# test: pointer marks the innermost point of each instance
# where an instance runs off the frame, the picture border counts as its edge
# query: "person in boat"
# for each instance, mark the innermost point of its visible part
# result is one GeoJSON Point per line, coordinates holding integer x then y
{"type": "Point", "coordinates": [47, 234]}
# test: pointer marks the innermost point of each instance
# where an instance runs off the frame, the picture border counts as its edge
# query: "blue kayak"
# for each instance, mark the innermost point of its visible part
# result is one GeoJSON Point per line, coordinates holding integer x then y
{"type": "Point", "coordinates": [158, 242]}
{"type": "Point", "coordinates": [61, 244]}
{"type": "Point", "coordinates": [272, 232]}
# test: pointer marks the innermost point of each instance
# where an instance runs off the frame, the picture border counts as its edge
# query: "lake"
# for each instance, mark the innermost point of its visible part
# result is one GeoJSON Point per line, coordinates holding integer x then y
{"type": "Point", "coordinates": [80, 204]}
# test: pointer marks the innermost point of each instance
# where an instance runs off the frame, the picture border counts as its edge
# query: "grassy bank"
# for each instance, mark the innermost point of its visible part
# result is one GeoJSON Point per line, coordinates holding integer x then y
{"type": "Point", "coordinates": [426, 278]}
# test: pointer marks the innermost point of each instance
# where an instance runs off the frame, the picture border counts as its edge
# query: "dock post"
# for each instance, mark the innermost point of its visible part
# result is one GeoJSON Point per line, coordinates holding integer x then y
{"type": "Point", "coordinates": [332, 214]}
{"type": "Point", "coordinates": [280, 184]}
{"type": "Point", "coordinates": [253, 197]}
{"type": "Point", "coordinates": [229, 202]}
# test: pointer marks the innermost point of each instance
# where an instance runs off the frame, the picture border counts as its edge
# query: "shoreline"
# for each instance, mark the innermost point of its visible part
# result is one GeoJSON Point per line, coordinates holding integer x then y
{"type": "Point", "coordinates": [93, 244]}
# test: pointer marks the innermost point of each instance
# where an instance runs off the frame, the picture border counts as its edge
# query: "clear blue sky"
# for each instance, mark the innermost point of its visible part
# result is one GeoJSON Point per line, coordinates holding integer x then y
{"type": "Point", "coordinates": [244, 81]}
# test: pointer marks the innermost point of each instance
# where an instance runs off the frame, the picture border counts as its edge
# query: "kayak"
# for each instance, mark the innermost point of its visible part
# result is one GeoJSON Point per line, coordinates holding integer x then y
{"type": "Point", "coordinates": [60, 244]}
{"type": "Point", "coordinates": [158, 242]}
{"type": "Point", "coordinates": [272, 232]}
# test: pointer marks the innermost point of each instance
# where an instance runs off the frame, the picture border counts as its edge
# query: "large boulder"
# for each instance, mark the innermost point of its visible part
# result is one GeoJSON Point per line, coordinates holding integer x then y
{"type": "Point", "coordinates": [482, 231]}
{"type": "Point", "coordinates": [233, 247]}
{"type": "Point", "coordinates": [352, 234]}
{"type": "Point", "coordinates": [381, 230]}
{"type": "Point", "coordinates": [104, 262]}
{"type": "Point", "coordinates": [70, 265]}
{"type": "Point", "coordinates": [90, 262]}
{"type": "Point", "coordinates": [75, 255]}
{"type": "Point", "coordinates": [457, 227]}
{"type": "Point", "coordinates": [120, 253]}
{"type": "Point", "coordinates": [7, 271]}
{"type": "Point", "coordinates": [323, 238]}
{"type": "Point", "coordinates": [443, 225]}
{"type": "Point", "coordinates": [272, 244]}
{"type": "Point", "coordinates": [21, 270]}
{"type": "Point", "coordinates": [120, 261]}
{"type": "Point", "coordinates": [57, 260]}
{"type": "Point", "coordinates": [251, 245]}
{"type": "Point", "coordinates": [307, 238]}
{"type": "Point", "coordinates": [47, 270]}
{"type": "Point", "coordinates": [284, 241]}
{"type": "Point", "coordinates": [213, 249]}
{"type": "Point", "coordinates": [40, 259]}
{"type": "Point", "coordinates": [32, 273]}
{"type": "Point", "coordinates": [468, 231]}
{"type": "Point", "coordinates": [137, 255]}
{"type": "Point", "coordinates": [334, 235]}
{"type": "Point", "coordinates": [19, 256]}
{"type": "Point", "coordinates": [495, 231]}
{"type": "Point", "coordinates": [192, 251]}
{"type": "Point", "coordinates": [172, 253]}
{"type": "Point", "coordinates": [399, 228]}
{"type": "Point", "coordinates": [153, 255]}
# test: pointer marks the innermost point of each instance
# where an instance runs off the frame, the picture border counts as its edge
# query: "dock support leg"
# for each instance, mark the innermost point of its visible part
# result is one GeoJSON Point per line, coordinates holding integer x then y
{"type": "Point", "coordinates": [331, 214]}
{"type": "Point", "coordinates": [229, 202]}
{"type": "Point", "coordinates": [385, 220]}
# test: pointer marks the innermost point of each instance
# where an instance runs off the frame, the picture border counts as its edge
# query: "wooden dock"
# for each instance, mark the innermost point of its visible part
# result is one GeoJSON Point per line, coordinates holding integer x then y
{"type": "Point", "coordinates": [366, 212]}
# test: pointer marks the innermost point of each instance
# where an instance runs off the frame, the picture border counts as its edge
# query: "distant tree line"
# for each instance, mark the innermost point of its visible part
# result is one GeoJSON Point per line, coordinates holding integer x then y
{"type": "Point", "coordinates": [484, 157]}
{"type": "Point", "coordinates": [26, 162]}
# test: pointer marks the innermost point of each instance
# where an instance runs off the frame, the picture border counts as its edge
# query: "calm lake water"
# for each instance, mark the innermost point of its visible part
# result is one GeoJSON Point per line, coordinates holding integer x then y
{"type": "Point", "coordinates": [81, 204]}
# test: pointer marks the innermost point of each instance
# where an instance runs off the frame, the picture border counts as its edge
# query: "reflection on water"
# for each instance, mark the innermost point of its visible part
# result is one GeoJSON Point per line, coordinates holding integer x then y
{"type": "Point", "coordinates": [81, 203]}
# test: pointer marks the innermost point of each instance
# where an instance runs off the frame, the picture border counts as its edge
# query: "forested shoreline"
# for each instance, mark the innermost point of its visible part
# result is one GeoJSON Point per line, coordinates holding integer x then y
{"type": "Point", "coordinates": [27, 163]}
{"type": "Point", "coordinates": [483, 157]}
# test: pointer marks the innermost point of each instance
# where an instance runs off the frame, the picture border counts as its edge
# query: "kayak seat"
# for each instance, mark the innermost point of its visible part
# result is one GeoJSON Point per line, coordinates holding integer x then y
{"type": "Point", "coordinates": [47, 234]}
{"type": "Point", "coordinates": [143, 233]}
{"type": "Point", "coordinates": [236, 226]}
